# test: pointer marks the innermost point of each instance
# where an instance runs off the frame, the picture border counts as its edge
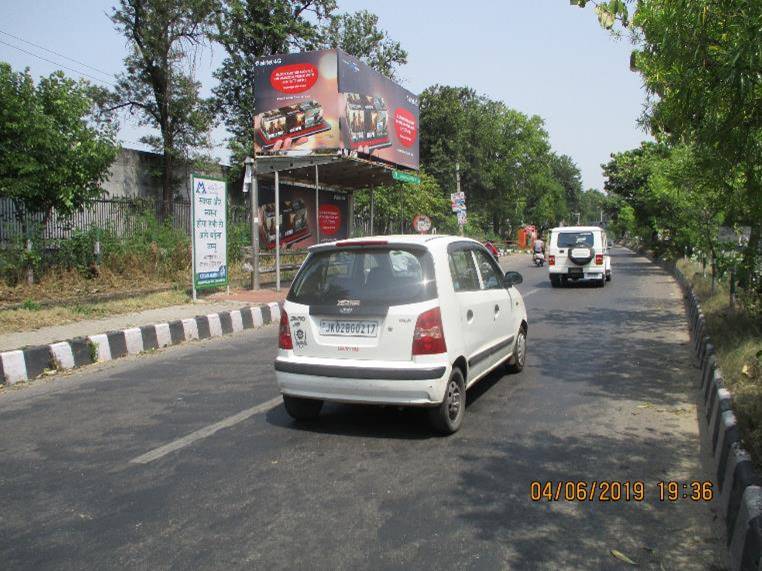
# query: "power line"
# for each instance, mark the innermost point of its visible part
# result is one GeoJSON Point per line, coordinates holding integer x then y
{"type": "Point", "coordinates": [56, 53]}
{"type": "Point", "coordinates": [58, 64]}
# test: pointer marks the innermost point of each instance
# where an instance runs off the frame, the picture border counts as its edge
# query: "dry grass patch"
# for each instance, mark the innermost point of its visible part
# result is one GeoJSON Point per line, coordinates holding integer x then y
{"type": "Point", "coordinates": [31, 318]}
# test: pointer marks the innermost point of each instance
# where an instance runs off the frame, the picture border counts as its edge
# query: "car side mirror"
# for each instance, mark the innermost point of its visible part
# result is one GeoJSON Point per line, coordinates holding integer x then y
{"type": "Point", "coordinates": [610, 244]}
{"type": "Point", "coordinates": [512, 279]}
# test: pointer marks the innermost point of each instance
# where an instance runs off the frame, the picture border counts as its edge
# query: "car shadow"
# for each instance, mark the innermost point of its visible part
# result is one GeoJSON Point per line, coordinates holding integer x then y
{"type": "Point", "coordinates": [376, 421]}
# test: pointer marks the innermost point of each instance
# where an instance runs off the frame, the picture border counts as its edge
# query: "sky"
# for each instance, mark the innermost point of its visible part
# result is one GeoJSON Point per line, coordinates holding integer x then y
{"type": "Point", "coordinates": [541, 57]}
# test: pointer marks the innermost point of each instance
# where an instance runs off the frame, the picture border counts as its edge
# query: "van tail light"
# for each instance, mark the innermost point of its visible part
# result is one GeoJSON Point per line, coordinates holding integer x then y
{"type": "Point", "coordinates": [284, 336]}
{"type": "Point", "coordinates": [599, 259]}
{"type": "Point", "coordinates": [428, 338]}
{"type": "Point", "coordinates": [551, 260]}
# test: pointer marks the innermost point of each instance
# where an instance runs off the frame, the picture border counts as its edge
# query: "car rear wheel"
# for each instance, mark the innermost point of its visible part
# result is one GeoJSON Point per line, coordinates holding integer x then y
{"type": "Point", "coordinates": [302, 409]}
{"type": "Point", "coordinates": [555, 281]}
{"type": "Point", "coordinates": [448, 416]}
{"type": "Point", "coordinates": [516, 362]}
{"type": "Point", "coordinates": [608, 276]}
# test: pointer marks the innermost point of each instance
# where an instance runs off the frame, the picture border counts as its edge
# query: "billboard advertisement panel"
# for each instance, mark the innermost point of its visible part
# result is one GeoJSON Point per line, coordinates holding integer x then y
{"type": "Point", "coordinates": [328, 100]}
{"type": "Point", "coordinates": [378, 116]}
{"type": "Point", "coordinates": [296, 103]}
{"type": "Point", "coordinates": [299, 225]}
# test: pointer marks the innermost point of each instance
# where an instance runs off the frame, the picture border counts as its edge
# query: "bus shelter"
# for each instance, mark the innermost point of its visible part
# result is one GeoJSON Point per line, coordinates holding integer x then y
{"type": "Point", "coordinates": [323, 121]}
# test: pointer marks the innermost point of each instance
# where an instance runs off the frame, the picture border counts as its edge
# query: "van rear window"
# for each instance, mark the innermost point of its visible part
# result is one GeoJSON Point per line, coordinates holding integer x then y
{"type": "Point", "coordinates": [381, 276]}
{"type": "Point", "coordinates": [571, 239]}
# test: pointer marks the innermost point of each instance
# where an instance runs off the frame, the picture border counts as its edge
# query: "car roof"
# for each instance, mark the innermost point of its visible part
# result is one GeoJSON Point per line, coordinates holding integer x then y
{"type": "Point", "coordinates": [427, 240]}
{"type": "Point", "coordinates": [575, 229]}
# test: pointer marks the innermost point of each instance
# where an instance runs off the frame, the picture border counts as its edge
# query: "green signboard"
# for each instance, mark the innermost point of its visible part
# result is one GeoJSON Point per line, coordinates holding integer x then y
{"type": "Point", "coordinates": [210, 268]}
{"type": "Point", "coordinates": [406, 177]}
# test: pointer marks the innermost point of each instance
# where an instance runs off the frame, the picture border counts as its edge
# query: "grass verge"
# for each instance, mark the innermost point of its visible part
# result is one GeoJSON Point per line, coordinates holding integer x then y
{"type": "Point", "coordinates": [737, 337]}
{"type": "Point", "coordinates": [31, 317]}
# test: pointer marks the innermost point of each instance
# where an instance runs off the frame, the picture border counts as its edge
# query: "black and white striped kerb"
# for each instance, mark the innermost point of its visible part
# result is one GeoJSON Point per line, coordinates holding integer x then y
{"type": "Point", "coordinates": [739, 486]}
{"type": "Point", "coordinates": [30, 362]}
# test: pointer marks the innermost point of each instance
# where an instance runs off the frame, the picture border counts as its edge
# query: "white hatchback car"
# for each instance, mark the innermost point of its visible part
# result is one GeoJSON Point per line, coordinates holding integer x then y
{"type": "Point", "coordinates": [578, 253]}
{"type": "Point", "coordinates": [398, 320]}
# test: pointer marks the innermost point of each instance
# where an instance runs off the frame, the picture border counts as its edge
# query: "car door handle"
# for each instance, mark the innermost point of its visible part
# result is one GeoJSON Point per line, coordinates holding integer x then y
{"type": "Point", "coordinates": [469, 316]}
{"type": "Point", "coordinates": [497, 310]}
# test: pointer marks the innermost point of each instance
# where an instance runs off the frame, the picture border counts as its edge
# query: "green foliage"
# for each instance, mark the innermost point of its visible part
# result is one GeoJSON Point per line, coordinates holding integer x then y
{"type": "Point", "coordinates": [56, 150]}
{"type": "Point", "coordinates": [700, 62]}
{"type": "Point", "coordinates": [162, 36]}
{"type": "Point", "coordinates": [238, 237]}
{"type": "Point", "coordinates": [508, 171]}
{"type": "Point", "coordinates": [396, 206]}
{"type": "Point", "coordinates": [358, 34]}
{"type": "Point", "coordinates": [30, 305]}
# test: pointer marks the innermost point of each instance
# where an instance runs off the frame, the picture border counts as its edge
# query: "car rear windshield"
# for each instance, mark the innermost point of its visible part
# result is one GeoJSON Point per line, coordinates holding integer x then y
{"type": "Point", "coordinates": [570, 239]}
{"type": "Point", "coordinates": [378, 276]}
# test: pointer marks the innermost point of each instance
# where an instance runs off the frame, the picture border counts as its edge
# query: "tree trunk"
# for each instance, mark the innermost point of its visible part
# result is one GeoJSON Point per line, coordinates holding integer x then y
{"type": "Point", "coordinates": [751, 253]}
{"type": "Point", "coordinates": [166, 185]}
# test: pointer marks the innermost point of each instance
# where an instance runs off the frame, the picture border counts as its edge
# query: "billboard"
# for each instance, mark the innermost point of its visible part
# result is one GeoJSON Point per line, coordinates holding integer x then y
{"type": "Point", "coordinates": [327, 100]}
{"type": "Point", "coordinates": [299, 225]}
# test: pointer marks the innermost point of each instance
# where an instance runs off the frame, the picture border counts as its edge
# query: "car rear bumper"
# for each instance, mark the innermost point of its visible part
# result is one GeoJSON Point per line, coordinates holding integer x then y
{"type": "Point", "coordinates": [409, 385]}
{"type": "Point", "coordinates": [589, 273]}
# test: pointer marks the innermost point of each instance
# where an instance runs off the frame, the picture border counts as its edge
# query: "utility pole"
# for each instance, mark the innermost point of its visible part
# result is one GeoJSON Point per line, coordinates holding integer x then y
{"type": "Point", "coordinates": [457, 187]}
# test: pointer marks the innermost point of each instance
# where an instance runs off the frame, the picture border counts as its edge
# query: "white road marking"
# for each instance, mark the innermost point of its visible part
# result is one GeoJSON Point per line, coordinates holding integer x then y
{"type": "Point", "coordinates": [161, 451]}
{"type": "Point", "coordinates": [530, 292]}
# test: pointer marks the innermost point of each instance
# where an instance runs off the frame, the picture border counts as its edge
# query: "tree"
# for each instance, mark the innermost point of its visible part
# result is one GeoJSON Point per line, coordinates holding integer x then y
{"type": "Point", "coordinates": [359, 35]}
{"type": "Point", "coordinates": [249, 29]}
{"type": "Point", "coordinates": [55, 146]}
{"type": "Point", "coordinates": [395, 206]}
{"type": "Point", "coordinates": [162, 36]}
{"type": "Point", "coordinates": [508, 170]}
{"type": "Point", "coordinates": [701, 61]}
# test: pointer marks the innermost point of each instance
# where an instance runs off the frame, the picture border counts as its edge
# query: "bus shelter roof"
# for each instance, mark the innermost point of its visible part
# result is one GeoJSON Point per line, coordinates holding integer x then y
{"type": "Point", "coordinates": [336, 171]}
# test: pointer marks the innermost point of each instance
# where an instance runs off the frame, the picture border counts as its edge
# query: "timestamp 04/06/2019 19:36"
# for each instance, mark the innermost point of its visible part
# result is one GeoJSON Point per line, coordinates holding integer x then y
{"type": "Point", "coordinates": [620, 491]}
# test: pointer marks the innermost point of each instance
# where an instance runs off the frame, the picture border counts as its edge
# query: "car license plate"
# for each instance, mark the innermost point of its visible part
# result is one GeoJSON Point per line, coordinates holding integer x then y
{"type": "Point", "coordinates": [575, 271]}
{"type": "Point", "coordinates": [342, 328]}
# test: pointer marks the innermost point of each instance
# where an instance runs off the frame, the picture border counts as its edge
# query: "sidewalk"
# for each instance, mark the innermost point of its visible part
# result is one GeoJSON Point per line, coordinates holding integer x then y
{"type": "Point", "coordinates": [215, 303]}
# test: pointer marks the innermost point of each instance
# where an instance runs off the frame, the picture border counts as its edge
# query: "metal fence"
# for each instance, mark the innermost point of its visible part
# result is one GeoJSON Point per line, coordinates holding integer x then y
{"type": "Point", "coordinates": [121, 216]}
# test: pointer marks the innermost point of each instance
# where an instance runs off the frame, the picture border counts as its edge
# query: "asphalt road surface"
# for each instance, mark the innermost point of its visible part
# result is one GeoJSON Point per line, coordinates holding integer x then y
{"type": "Point", "coordinates": [186, 458]}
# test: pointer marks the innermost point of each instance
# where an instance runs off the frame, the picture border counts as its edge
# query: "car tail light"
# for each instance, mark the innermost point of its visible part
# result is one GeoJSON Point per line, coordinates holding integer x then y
{"type": "Point", "coordinates": [551, 260]}
{"type": "Point", "coordinates": [284, 336]}
{"type": "Point", "coordinates": [428, 338]}
{"type": "Point", "coordinates": [599, 259]}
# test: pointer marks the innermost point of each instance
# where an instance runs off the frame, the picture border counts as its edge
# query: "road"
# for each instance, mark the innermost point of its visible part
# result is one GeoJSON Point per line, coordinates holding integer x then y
{"type": "Point", "coordinates": [183, 459]}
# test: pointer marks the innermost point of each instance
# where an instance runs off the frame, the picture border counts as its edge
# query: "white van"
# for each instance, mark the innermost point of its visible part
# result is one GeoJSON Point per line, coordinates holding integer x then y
{"type": "Point", "coordinates": [578, 253]}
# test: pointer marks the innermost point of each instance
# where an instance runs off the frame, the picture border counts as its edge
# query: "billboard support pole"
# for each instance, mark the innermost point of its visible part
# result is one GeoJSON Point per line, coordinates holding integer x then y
{"type": "Point", "coordinates": [255, 229]}
{"type": "Point", "coordinates": [251, 168]}
{"type": "Point", "coordinates": [277, 231]}
{"type": "Point", "coordinates": [351, 223]}
{"type": "Point", "coordinates": [317, 207]}
{"type": "Point", "coordinates": [193, 240]}
{"type": "Point", "coordinates": [371, 211]}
